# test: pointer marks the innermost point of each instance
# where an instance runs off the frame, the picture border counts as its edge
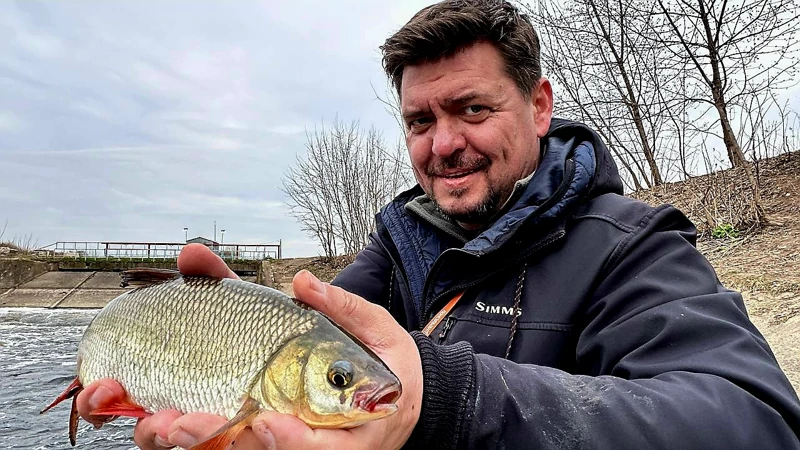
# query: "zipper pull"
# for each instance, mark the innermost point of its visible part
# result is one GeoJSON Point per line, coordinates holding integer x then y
{"type": "Point", "coordinates": [448, 324]}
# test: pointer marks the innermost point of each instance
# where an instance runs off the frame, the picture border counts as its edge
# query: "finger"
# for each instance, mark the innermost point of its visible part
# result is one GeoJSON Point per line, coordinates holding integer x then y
{"type": "Point", "coordinates": [367, 321]}
{"type": "Point", "coordinates": [197, 259]}
{"type": "Point", "coordinates": [152, 433]}
{"type": "Point", "coordinates": [194, 428]}
{"type": "Point", "coordinates": [97, 395]}
{"type": "Point", "coordinates": [278, 431]}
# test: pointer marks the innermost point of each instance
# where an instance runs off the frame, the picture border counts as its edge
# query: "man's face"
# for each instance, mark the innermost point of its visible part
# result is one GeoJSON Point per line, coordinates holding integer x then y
{"type": "Point", "coordinates": [470, 132]}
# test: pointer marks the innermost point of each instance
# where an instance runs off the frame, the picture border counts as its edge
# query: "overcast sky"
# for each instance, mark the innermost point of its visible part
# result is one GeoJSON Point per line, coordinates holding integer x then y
{"type": "Point", "coordinates": [128, 121]}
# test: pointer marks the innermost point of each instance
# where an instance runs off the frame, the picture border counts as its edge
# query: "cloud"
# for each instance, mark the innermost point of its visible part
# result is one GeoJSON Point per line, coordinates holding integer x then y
{"type": "Point", "coordinates": [11, 123]}
{"type": "Point", "coordinates": [129, 120]}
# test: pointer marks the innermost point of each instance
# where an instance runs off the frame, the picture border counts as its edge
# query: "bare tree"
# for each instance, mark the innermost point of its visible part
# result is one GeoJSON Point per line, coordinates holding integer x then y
{"type": "Point", "coordinates": [737, 50]}
{"type": "Point", "coordinates": [612, 77]}
{"type": "Point", "coordinates": [663, 82]}
{"type": "Point", "coordinates": [347, 175]}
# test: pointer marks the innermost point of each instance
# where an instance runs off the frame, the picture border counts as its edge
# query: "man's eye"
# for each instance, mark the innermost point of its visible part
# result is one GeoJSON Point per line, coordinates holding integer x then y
{"type": "Point", "coordinates": [417, 123]}
{"type": "Point", "coordinates": [473, 110]}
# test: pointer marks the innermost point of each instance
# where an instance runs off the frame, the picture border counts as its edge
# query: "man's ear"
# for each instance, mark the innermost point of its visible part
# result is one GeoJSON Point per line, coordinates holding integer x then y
{"type": "Point", "coordinates": [542, 98]}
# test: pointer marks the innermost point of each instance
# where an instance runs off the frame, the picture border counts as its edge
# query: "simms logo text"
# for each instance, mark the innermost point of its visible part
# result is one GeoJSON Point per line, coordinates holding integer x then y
{"type": "Point", "coordinates": [496, 309]}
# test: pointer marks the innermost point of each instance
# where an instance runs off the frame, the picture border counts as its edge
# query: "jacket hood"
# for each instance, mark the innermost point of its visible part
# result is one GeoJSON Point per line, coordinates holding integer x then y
{"type": "Point", "coordinates": [567, 134]}
{"type": "Point", "coordinates": [574, 164]}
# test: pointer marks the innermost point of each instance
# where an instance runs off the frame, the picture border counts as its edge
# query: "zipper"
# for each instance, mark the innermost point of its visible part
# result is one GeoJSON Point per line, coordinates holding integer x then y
{"type": "Point", "coordinates": [546, 242]}
{"type": "Point", "coordinates": [427, 309]}
{"type": "Point", "coordinates": [448, 324]}
{"type": "Point", "coordinates": [401, 279]}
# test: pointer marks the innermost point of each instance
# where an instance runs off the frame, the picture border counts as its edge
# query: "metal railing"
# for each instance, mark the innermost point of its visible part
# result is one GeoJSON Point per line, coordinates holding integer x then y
{"type": "Point", "coordinates": [154, 250]}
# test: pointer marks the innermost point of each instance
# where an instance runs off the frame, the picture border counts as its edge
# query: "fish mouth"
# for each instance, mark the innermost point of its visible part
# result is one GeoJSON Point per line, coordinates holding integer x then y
{"type": "Point", "coordinates": [378, 400]}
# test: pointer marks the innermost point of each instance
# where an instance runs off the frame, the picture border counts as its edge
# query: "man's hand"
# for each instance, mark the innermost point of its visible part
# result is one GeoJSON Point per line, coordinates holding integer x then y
{"type": "Point", "coordinates": [370, 323]}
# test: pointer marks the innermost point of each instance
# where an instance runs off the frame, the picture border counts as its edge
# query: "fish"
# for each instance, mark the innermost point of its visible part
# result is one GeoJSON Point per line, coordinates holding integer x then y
{"type": "Point", "coordinates": [231, 348]}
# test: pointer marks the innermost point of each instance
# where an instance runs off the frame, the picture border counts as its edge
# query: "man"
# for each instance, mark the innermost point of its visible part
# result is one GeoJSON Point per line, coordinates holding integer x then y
{"type": "Point", "coordinates": [571, 316]}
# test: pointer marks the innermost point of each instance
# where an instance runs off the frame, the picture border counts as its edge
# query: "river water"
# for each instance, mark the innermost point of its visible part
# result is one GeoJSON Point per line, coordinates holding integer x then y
{"type": "Point", "coordinates": [37, 362]}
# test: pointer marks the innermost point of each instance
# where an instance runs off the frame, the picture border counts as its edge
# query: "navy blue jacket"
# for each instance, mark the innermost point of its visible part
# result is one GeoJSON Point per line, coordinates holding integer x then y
{"type": "Point", "coordinates": [588, 320]}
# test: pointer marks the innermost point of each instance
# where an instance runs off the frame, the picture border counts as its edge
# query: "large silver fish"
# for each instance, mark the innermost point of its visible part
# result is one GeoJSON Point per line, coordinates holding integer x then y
{"type": "Point", "coordinates": [231, 348]}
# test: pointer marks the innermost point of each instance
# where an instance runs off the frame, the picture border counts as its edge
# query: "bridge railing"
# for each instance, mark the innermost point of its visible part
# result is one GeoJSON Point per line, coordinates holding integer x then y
{"type": "Point", "coordinates": [154, 250]}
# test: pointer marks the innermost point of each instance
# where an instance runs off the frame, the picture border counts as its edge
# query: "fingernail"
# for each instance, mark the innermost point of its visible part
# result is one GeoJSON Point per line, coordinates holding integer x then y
{"type": "Point", "coordinates": [182, 439]}
{"type": "Point", "coordinates": [161, 442]}
{"type": "Point", "coordinates": [317, 285]}
{"type": "Point", "coordinates": [100, 397]}
{"type": "Point", "coordinates": [264, 435]}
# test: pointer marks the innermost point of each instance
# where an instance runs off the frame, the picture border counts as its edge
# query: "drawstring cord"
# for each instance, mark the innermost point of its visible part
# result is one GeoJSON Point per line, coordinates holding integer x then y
{"type": "Point", "coordinates": [517, 301]}
{"type": "Point", "coordinates": [391, 289]}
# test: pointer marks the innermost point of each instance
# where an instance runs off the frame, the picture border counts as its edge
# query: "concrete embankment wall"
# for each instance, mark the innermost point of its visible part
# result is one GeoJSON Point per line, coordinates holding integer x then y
{"type": "Point", "coordinates": [38, 284]}
{"type": "Point", "coordinates": [14, 272]}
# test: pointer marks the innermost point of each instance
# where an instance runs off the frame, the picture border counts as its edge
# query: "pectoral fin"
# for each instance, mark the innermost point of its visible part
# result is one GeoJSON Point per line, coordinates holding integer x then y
{"type": "Point", "coordinates": [226, 435]}
{"type": "Point", "coordinates": [124, 408]}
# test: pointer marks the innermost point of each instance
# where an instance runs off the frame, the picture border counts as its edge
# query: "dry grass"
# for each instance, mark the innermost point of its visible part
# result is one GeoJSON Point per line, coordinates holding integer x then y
{"type": "Point", "coordinates": [710, 201]}
{"type": "Point", "coordinates": [764, 261]}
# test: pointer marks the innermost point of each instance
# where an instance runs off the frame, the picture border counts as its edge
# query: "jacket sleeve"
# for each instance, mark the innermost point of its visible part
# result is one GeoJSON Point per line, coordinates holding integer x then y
{"type": "Point", "coordinates": [669, 359]}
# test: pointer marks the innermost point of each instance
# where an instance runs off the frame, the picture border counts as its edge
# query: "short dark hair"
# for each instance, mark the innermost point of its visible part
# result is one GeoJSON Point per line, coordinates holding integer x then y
{"type": "Point", "coordinates": [442, 29]}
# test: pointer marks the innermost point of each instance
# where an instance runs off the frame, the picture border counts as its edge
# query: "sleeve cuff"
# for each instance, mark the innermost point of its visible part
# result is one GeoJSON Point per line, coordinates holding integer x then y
{"type": "Point", "coordinates": [448, 377]}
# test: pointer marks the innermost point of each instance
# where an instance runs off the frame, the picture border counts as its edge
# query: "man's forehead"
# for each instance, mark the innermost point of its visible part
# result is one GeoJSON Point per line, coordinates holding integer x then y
{"type": "Point", "coordinates": [475, 72]}
{"type": "Point", "coordinates": [423, 98]}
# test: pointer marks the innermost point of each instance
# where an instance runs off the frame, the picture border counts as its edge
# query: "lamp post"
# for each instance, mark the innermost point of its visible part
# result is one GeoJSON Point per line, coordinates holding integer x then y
{"type": "Point", "coordinates": [185, 234]}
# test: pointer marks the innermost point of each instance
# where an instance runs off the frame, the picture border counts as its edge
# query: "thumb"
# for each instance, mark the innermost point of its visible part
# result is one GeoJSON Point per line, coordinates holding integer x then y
{"type": "Point", "coordinates": [366, 321]}
{"type": "Point", "coordinates": [197, 259]}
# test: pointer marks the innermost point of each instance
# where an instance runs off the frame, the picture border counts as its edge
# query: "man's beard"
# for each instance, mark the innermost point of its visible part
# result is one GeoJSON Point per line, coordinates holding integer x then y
{"type": "Point", "coordinates": [480, 213]}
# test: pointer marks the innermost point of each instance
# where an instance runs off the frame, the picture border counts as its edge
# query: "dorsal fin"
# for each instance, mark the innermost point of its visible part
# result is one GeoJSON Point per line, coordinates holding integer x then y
{"type": "Point", "coordinates": [146, 277]}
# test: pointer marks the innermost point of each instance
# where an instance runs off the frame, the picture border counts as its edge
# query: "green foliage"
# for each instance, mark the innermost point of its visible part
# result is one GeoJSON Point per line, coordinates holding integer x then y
{"type": "Point", "coordinates": [725, 230]}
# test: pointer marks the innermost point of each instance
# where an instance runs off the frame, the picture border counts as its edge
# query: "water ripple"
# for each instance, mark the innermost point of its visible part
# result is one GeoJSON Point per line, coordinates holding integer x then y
{"type": "Point", "coordinates": [37, 362]}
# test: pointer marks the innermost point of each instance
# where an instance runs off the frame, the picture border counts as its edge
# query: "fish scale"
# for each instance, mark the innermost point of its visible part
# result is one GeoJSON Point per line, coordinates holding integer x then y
{"type": "Point", "coordinates": [149, 338]}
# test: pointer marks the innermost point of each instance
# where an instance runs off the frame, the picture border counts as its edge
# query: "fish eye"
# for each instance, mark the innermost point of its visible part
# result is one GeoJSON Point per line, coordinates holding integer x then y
{"type": "Point", "coordinates": [340, 374]}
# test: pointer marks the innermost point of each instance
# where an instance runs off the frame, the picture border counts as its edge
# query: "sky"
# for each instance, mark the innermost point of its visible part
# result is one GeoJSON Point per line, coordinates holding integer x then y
{"type": "Point", "coordinates": [128, 121]}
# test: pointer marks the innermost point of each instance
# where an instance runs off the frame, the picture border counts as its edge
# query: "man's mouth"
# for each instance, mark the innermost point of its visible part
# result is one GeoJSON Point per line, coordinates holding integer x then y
{"type": "Point", "coordinates": [457, 174]}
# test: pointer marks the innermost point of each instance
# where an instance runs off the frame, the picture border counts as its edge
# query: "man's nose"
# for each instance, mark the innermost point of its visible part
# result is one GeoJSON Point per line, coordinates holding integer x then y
{"type": "Point", "coordinates": [447, 138]}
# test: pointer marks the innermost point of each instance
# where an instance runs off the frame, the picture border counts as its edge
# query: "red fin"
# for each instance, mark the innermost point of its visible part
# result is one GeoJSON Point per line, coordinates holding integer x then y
{"type": "Point", "coordinates": [71, 391]}
{"type": "Point", "coordinates": [227, 435]}
{"type": "Point", "coordinates": [73, 422]}
{"type": "Point", "coordinates": [222, 440]}
{"type": "Point", "coordinates": [124, 408]}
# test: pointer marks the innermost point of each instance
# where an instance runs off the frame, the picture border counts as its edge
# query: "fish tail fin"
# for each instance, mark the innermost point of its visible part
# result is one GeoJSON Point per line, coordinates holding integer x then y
{"type": "Point", "coordinates": [146, 277]}
{"type": "Point", "coordinates": [73, 421]}
{"type": "Point", "coordinates": [71, 391]}
{"type": "Point", "coordinates": [231, 430]}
